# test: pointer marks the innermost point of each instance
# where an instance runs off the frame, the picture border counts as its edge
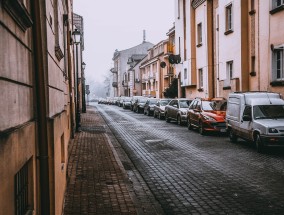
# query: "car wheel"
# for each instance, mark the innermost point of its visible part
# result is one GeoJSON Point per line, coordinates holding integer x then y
{"type": "Point", "coordinates": [258, 143]}
{"type": "Point", "coordinates": [167, 118]}
{"type": "Point", "coordinates": [201, 129]}
{"type": "Point", "coordinates": [232, 136]}
{"type": "Point", "coordinates": [179, 120]}
{"type": "Point", "coordinates": [189, 125]}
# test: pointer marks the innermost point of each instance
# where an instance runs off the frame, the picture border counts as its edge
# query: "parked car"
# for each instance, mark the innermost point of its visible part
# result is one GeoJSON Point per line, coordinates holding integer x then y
{"type": "Point", "coordinates": [159, 108]}
{"type": "Point", "coordinates": [257, 117]}
{"type": "Point", "coordinates": [120, 100]}
{"type": "Point", "coordinates": [177, 110]}
{"type": "Point", "coordinates": [149, 106]}
{"type": "Point", "coordinates": [139, 104]}
{"type": "Point", "coordinates": [207, 115]}
{"type": "Point", "coordinates": [133, 98]}
{"type": "Point", "coordinates": [126, 103]}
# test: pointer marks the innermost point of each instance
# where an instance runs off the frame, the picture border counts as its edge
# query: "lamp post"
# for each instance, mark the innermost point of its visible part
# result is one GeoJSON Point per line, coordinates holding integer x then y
{"type": "Point", "coordinates": [77, 39]}
{"type": "Point", "coordinates": [83, 88]}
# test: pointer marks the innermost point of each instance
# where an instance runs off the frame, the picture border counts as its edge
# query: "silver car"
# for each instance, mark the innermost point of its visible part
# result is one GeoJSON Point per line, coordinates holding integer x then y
{"type": "Point", "coordinates": [159, 108]}
{"type": "Point", "coordinates": [177, 110]}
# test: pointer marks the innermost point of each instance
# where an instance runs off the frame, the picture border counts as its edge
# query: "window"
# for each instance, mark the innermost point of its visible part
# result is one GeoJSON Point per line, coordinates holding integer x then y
{"type": "Point", "coordinates": [178, 9]}
{"type": "Point", "coordinates": [199, 34]}
{"type": "Point", "coordinates": [185, 73]}
{"type": "Point", "coordinates": [229, 70]}
{"type": "Point", "coordinates": [277, 3]}
{"type": "Point", "coordinates": [251, 5]}
{"type": "Point", "coordinates": [229, 18]}
{"type": "Point", "coordinates": [200, 73]}
{"type": "Point", "coordinates": [278, 70]}
{"type": "Point", "coordinates": [24, 189]}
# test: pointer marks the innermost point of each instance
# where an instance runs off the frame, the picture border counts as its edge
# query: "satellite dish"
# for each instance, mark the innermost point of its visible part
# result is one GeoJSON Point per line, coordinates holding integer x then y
{"type": "Point", "coordinates": [163, 64]}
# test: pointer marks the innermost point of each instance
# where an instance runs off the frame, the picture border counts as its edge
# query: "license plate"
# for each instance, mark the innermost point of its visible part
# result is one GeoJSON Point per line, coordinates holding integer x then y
{"type": "Point", "coordinates": [223, 130]}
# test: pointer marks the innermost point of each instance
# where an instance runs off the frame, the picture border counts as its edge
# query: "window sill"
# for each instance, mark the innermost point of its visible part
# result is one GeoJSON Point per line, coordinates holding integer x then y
{"type": "Point", "coordinates": [253, 73]}
{"type": "Point", "coordinates": [200, 90]}
{"type": "Point", "coordinates": [277, 9]}
{"type": "Point", "coordinates": [200, 44]}
{"type": "Point", "coordinates": [227, 88]}
{"type": "Point", "coordinates": [252, 12]}
{"type": "Point", "coordinates": [277, 83]}
{"type": "Point", "coordinates": [228, 32]}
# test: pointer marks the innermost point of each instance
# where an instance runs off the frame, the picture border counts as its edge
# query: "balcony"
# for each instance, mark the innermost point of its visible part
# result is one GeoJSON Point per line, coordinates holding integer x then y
{"type": "Point", "coordinates": [125, 83]}
{"type": "Point", "coordinates": [113, 70]}
{"type": "Point", "coordinates": [114, 84]}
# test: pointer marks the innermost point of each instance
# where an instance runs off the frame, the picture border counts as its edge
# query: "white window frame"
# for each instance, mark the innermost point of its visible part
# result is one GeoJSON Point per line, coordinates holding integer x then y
{"type": "Point", "coordinates": [230, 69]}
{"type": "Point", "coordinates": [275, 3]}
{"type": "Point", "coordinates": [200, 78]}
{"type": "Point", "coordinates": [199, 33]}
{"type": "Point", "coordinates": [278, 63]}
{"type": "Point", "coordinates": [229, 17]}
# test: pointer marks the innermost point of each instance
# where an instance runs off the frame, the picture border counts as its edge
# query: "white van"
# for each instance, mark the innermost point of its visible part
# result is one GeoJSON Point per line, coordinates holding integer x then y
{"type": "Point", "coordinates": [257, 117]}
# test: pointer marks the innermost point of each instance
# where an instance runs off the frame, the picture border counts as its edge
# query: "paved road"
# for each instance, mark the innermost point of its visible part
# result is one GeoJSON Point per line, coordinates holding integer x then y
{"type": "Point", "coordinates": [193, 174]}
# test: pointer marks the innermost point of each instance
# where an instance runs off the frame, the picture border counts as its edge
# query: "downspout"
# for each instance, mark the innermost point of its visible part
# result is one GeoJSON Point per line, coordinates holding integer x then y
{"type": "Point", "coordinates": [39, 40]}
{"type": "Point", "coordinates": [71, 96]}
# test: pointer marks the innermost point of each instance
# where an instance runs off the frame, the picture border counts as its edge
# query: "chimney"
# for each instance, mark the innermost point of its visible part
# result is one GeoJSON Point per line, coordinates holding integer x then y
{"type": "Point", "coordinates": [144, 36]}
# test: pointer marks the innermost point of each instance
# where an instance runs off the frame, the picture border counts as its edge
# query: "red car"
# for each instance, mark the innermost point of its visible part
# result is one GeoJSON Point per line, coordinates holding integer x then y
{"type": "Point", "coordinates": [207, 115]}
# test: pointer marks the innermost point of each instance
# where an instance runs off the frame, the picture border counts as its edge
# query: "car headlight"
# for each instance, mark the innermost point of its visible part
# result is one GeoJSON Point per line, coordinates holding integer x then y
{"type": "Point", "coordinates": [208, 118]}
{"type": "Point", "coordinates": [272, 130]}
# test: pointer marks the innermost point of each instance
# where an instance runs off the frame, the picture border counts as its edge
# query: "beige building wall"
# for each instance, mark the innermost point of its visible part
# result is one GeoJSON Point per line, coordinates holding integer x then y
{"type": "Point", "coordinates": [17, 119]}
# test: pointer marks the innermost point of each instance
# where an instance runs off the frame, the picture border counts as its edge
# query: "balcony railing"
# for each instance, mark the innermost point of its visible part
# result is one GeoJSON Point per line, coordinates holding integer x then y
{"type": "Point", "coordinates": [113, 70]}
{"type": "Point", "coordinates": [125, 83]}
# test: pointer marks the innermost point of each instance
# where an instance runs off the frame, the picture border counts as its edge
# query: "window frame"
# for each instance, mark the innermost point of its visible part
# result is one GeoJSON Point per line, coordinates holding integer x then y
{"type": "Point", "coordinates": [229, 19]}
{"type": "Point", "coordinates": [275, 7]}
{"type": "Point", "coordinates": [199, 34]}
{"type": "Point", "coordinates": [229, 69]}
{"type": "Point", "coordinates": [200, 78]}
{"type": "Point", "coordinates": [275, 64]}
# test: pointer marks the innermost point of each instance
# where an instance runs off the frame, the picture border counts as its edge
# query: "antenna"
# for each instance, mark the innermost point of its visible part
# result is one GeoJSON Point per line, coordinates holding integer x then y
{"type": "Point", "coordinates": [144, 36]}
{"type": "Point", "coordinates": [268, 98]}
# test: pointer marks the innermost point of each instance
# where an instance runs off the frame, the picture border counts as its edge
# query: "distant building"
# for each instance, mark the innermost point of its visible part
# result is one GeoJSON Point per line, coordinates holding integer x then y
{"type": "Point", "coordinates": [120, 59]}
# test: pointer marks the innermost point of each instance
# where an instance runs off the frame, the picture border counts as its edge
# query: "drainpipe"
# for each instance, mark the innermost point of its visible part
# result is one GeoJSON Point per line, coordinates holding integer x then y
{"type": "Point", "coordinates": [39, 40]}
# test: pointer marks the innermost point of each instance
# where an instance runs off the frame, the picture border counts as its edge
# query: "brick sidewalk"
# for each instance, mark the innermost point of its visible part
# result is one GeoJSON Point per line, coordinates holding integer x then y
{"type": "Point", "coordinates": [98, 184]}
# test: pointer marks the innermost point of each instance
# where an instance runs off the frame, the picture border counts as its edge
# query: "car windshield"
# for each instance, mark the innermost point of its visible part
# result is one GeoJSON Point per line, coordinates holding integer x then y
{"type": "Point", "coordinates": [142, 100]}
{"type": "Point", "coordinates": [214, 105]}
{"type": "Point", "coordinates": [184, 103]}
{"type": "Point", "coordinates": [154, 101]}
{"type": "Point", "coordinates": [268, 111]}
{"type": "Point", "coordinates": [164, 102]}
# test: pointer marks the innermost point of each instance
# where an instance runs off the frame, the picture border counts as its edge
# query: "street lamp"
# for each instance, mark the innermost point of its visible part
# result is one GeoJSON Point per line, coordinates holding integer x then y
{"type": "Point", "coordinates": [83, 88]}
{"type": "Point", "coordinates": [77, 39]}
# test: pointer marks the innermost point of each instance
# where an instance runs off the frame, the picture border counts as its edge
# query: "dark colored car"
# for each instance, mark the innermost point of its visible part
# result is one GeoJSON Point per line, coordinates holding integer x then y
{"type": "Point", "coordinates": [149, 106]}
{"type": "Point", "coordinates": [139, 104]}
{"type": "Point", "coordinates": [177, 110]}
{"type": "Point", "coordinates": [207, 115]}
{"type": "Point", "coordinates": [159, 108]}
{"type": "Point", "coordinates": [126, 103]}
{"type": "Point", "coordinates": [132, 101]}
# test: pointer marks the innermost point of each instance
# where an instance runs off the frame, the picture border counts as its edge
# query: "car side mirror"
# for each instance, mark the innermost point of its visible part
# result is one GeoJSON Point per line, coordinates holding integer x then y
{"type": "Point", "coordinates": [247, 118]}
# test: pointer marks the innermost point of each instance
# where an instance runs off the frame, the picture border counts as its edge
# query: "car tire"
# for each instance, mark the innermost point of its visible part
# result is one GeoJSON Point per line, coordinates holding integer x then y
{"type": "Point", "coordinates": [189, 125]}
{"type": "Point", "coordinates": [232, 136]}
{"type": "Point", "coordinates": [259, 144]}
{"type": "Point", "coordinates": [167, 118]}
{"type": "Point", "coordinates": [148, 112]}
{"type": "Point", "coordinates": [179, 120]}
{"type": "Point", "coordinates": [201, 129]}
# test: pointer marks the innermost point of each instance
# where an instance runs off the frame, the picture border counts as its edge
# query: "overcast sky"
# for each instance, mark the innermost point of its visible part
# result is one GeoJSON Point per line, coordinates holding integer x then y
{"type": "Point", "coordinates": [119, 24]}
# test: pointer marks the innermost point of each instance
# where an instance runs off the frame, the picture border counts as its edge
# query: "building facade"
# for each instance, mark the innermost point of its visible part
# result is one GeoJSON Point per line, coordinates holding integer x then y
{"type": "Point", "coordinates": [228, 46]}
{"type": "Point", "coordinates": [120, 66]}
{"type": "Point", "coordinates": [37, 104]}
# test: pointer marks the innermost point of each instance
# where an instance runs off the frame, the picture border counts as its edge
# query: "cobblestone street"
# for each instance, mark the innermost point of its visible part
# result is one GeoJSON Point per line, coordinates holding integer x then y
{"type": "Point", "coordinates": [193, 174]}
